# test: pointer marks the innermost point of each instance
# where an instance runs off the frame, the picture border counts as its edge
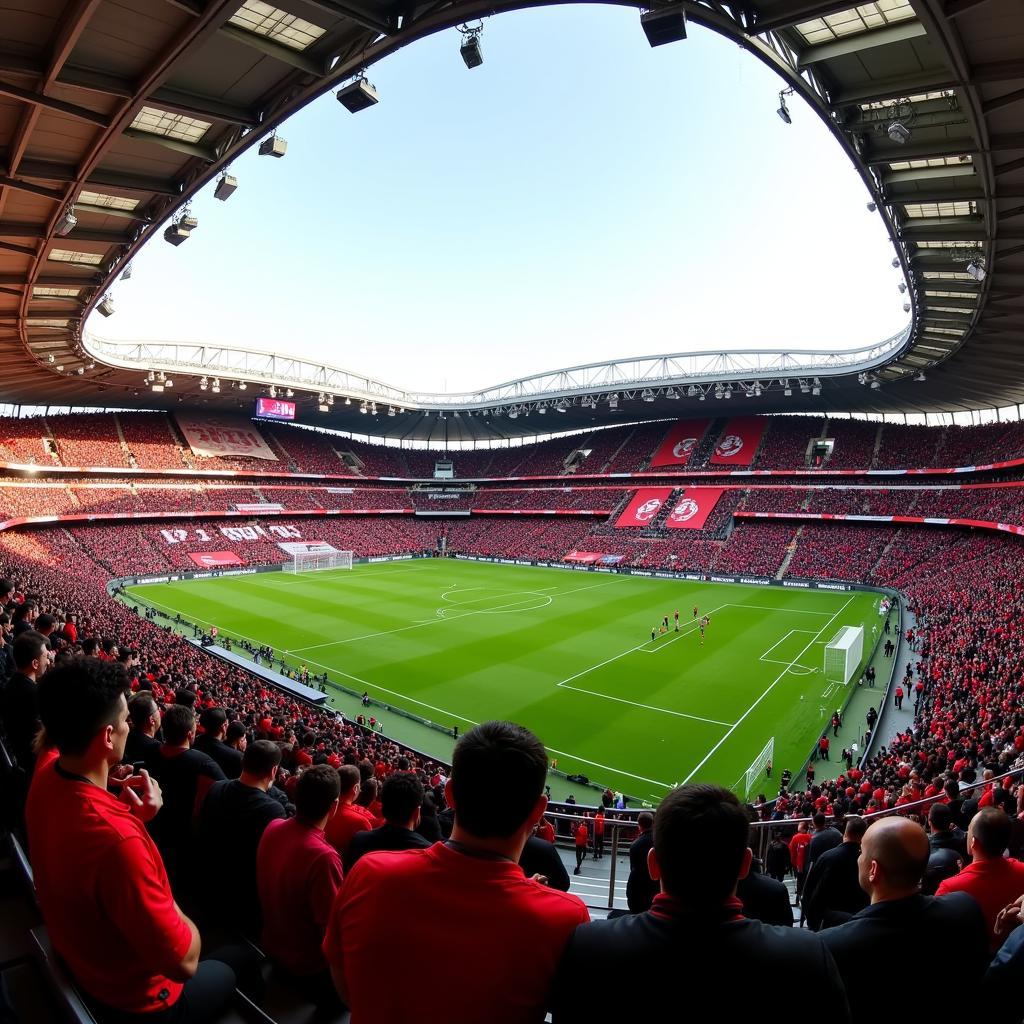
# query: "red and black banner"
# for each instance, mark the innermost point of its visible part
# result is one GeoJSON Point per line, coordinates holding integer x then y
{"type": "Point", "coordinates": [693, 507]}
{"type": "Point", "coordinates": [680, 443]}
{"type": "Point", "coordinates": [739, 441]}
{"type": "Point", "coordinates": [646, 504]}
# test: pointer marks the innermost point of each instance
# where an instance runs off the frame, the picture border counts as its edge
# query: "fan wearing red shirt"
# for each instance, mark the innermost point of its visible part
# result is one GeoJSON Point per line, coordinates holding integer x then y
{"type": "Point", "coordinates": [502, 933]}
{"type": "Point", "coordinates": [298, 874]}
{"type": "Point", "coordinates": [99, 877]}
{"type": "Point", "coordinates": [350, 817]}
{"type": "Point", "coordinates": [993, 880]}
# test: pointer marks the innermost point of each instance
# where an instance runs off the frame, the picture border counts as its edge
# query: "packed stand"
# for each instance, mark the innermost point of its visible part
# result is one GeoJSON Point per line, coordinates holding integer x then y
{"type": "Point", "coordinates": [21, 441]}
{"type": "Point", "coordinates": [903, 446]}
{"type": "Point", "coordinates": [854, 446]}
{"type": "Point", "coordinates": [786, 441]}
{"type": "Point", "coordinates": [755, 549]}
{"type": "Point", "coordinates": [87, 439]}
{"type": "Point", "coordinates": [838, 551]}
{"type": "Point", "coordinates": [308, 450]}
{"type": "Point", "coordinates": [151, 440]}
{"type": "Point", "coordinates": [980, 445]}
{"type": "Point", "coordinates": [635, 453]}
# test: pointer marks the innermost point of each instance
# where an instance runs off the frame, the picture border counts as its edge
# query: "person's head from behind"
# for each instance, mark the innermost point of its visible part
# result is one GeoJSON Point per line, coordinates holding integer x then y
{"type": "Point", "coordinates": [44, 624]}
{"type": "Point", "coordinates": [854, 829]}
{"type": "Point", "coordinates": [260, 762]}
{"type": "Point", "coordinates": [497, 781]}
{"type": "Point", "coordinates": [893, 859]}
{"type": "Point", "coordinates": [90, 647]}
{"type": "Point", "coordinates": [989, 834]}
{"type": "Point", "coordinates": [31, 654]}
{"type": "Point", "coordinates": [700, 845]}
{"type": "Point", "coordinates": [214, 722]}
{"type": "Point", "coordinates": [317, 793]}
{"type": "Point", "coordinates": [400, 799]}
{"type": "Point", "coordinates": [349, 776]}
{"type": "Point", "coordinates": [645, 821]}
{"type": "Point", "coordinates": [24, 612]}
{"type": "Point", "coordinates": [940, 818]}
{"type": "Point", "coordinates": [820, 821]}
{"type": "Point", "coordinates": [179, 726]}
{"type": "Point", "coordinates": [84, 709]}
{"type": "Point", "coordinates": [236, 736]}
{"type": "Point", "coordinates": [143, 713]}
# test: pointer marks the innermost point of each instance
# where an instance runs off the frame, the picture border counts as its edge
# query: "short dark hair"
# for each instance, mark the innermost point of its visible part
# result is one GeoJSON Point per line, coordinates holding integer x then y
{"type": "Point", "coordinates": [940, 817]}
{"type": "Point", "coordinates": [184, 697]}
{"type": "Point", "coordinates": [349, 776]}
{"type": "Point", "coordinates": [318, 787]}
{"type": "Point", "coordinates": [178, 722]}
{"type": "Point", "coordinates": [212, 719]}
{"type": "Point", "coordinates": [23, 610]}
{"type": "Point", "coordinates": [6, 586]}
{"type": "Point", "coordinates": [141, 707]}
{"type": "Point", "coordinates": [400, 795]}
{"type": "Point", "coordinates": [44, 622]}
{"type": "Point", "coordinates": [644, 820]}
{"type": "Point", "coordinates": [236, 730]}
{"type": "Point", "coordinates": [992, 827]}
{"type": "Point", "coordinates": [700, 836]}
{"type": "Point", "coordinates": [819, 820]}
{"type": "Point", "coordinates": [77, 700]}
{"type": "Point", "coordinates": [27, 647]}
{"type": "Point", "coordinates": [90, 645]}
{"type": "Point", "coordinates": [261, 758]}
{"type": "Point", "coordinates": [498, 772]}
{"type": "Point", "coordinates": [855, 827]}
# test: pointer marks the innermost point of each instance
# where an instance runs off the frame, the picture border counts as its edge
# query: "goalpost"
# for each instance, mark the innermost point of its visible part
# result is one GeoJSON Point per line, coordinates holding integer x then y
{"type": "Point", "coordinates": [754, 772]}
{"type": "Point", "coordinates": [313, 561]}
{"type": "Point", "coordinates": [843, 654]}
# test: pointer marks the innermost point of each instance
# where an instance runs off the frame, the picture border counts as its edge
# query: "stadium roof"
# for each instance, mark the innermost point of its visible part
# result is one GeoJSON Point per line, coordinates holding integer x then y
{"type": "Point", "coordinates": [123, 110]}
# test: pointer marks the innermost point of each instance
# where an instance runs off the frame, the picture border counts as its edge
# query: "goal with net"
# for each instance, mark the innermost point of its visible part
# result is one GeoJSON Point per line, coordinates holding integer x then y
{"type": "Point", "coordinates": [757, 769]}
{"type": "Point", "coordinates": [843, 654]}
{"type": "Point", "coordinates": [315, 561]}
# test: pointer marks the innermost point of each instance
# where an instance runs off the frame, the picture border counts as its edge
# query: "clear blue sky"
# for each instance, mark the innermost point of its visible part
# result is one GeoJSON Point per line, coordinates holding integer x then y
{"type": "Point", "coordinates": [578, 197]}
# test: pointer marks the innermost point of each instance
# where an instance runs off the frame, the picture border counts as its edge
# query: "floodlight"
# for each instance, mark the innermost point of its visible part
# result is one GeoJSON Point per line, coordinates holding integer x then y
{"type": "Point", "coordinates": [126, 273]}
{"type": "Point", "coordinates": [226, 185]}
{"type": "Point", "coordinates": [815, 391]}
{"type": "Point", "coordinates": [106, 306]}
{"type": "Point", "coordinates": [895, 261]}
{"type": "Point", "coordinates": [783, 110]}
{"type": "Point", "coordinates": [613, 401]}
{"type": "Point", "coordinates": [362, 408]}
{"type": "Point", "coordinates": [920, 378]}
{"type": "Point", "coordinates": [875, 385]}
{"type": "Point", "coordinates": [976, 268]}
{"type": "Point", "coordinates": [872, 207]}
{"type": "Point", "coordinates": [215, 386]}
{"type": "Point", "coordinates": [664, 25]}
{"type": "Point", "coordinates": [472, 55]}
{"type": "Point", "coordinates": [391, 410]}
{"type": "Point", "coordinates": [357, 95]}
{"type": "Point", "coordinates": [66, 223]}
{"type": "Point", "coordinates": [542, 410]}
{"type": "Point", "coordinates": [647, 395]}
{"type": "Point", "coordinates": [898, 132]}
{"type": "Point", "coordinates": [242, 386]}
{"type": "Point", "coordinates": [324, 407]}
{"type": "Point", "coordinates": [788, 392]}
{"type": "Point", "coordinates": [906, 307]}
{"type": "Point", "coordinates": [204, 383]}
{"type": "Point", "coordinates": [692, 391]}
{"type": "Point", "coordinates": [273, 146]}
{"type": "Point", "coordinates": [902, 287]}
{"type": "Point", "coordinates": [175, 234]}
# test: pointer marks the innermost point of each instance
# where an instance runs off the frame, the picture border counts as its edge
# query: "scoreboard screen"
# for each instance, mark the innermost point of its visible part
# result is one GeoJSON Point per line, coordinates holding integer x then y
{"type": "Point", "coordinates": [275, 409]}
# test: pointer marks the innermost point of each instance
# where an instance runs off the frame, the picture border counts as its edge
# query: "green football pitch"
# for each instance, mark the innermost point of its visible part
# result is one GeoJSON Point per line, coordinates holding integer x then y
{"type": "Point", "coordinates": [568, 654]}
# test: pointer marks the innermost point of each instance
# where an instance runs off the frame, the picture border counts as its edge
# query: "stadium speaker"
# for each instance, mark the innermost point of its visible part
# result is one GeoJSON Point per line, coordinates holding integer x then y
{"type": "Point", "coordinates": [274, 146]}
{"type": "Point", "coordinates": [175, 234]}
{"type": "Point", "coordinates": [472, 55]}
{"type": "Point", "coordinates": [226, 185]}
{"type": "Point", "coordinates": [664, 25]}
{"type": "Point", "coordinates": [357, 95]}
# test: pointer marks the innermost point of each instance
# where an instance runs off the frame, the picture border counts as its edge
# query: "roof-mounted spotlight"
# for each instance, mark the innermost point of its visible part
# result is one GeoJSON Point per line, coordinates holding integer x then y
{"type": "Point", "coordinates": [274, 146]}
{"type": "Point", "coordinates": [692, 391]}
{"type": "Point", "coordinates": [906, 307]}
{"type": "Point", "coordinates": [976, 268]}
{"type": "Point", "coordinates": [204, 383]}
{"type": "Point", "coordinates": [872, 207]}
{"type": "Point", "coordinates": [289, 393]}
{"type": "Point", "coordinates": [105, 306]}
{"type": "Point", "coordinates": [664, 25]}
{"type": "Point", "coordinates": [215, 385]}
{"type": "Point", "coordinates": [542, 409]}
{"type": "Point", "coordinates": [816, 390]}
{"type": "Point", "coordinates": [613, 400]}
{"type": "Point", "coordinates": [472, 55]}
{"type": "Point", "coordinates": [391, 410]}
{"type": "Point", "coordinates": [66, 223]}
{"type": "Point", "coordinates": [80, 371]}
{"type": "Point", "coordinates": [902, 287]}
{"type": "Point", "coordinates": [895, 261]}
{"type": "Point", "coordinates": [175, 234]}
{"type": "Point", "coordinates": [126, 274]}
{"type": "Point", "coordinates": [862, 378]}
{"type": "Point", "coordinates": [242, 385]}
{"type": "Point", "coordinates": [226, 185]}
{"type": "Point", "coordinates": [671, 393]}
{"type": "Point", "coordinates": [920, 378]}
{"type": "Point", "coordinates": [273, 391]}
{"type": "Point", "coordinates": [898, 132]}
{"type": "Point", "coordinates": [357, 95]}
{"type": "Point", "coordinates": [875, 385]}
{"type": "Point", "coordinates": [647, 395]}
{"type": "Point", "coordinates": [783, 110]}
{"type": "Point", "coordinates": [363, 408]}
{"type": "Point", "coordinates": [702, 397]}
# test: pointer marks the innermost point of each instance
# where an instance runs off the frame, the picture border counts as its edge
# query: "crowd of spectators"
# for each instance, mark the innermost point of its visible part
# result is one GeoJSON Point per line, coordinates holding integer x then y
{"type": "Point", "coordinates": [787, 439]}
{"type": "Point", "coordinates": [87, 439]}
{"type": "Point", "coordinates": [903, 445]}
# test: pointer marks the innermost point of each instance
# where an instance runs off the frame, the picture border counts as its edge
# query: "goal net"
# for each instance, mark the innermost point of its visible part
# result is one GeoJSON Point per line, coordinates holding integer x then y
{"type": "Point", "coordinates": [843, 654]}
{"type": "Point", "coordinates": [757, 769]}
{"type": "Point", "coordinates": [314, 561]}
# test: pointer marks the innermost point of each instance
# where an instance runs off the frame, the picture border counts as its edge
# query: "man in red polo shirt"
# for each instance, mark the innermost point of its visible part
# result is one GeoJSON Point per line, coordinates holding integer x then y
{"type": "Point", "coordinates": [502, 933]}
{"type": "Point", "coordinates": [350, 818]}
{"type": "Point", "coordinates": [993, 880]}
{"type": "Point", "coordinates": [298, 874]}
{"type": "Point", "coordinates": [101, 882]}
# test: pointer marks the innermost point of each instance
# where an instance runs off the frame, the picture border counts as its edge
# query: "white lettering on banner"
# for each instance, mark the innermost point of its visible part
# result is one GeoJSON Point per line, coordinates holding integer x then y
{"type": "Point", "coordinates": [284, 531]}
{"type": "Point", "coordinates": [175, 536]}
{"type": "Point", "coordinates": [758, 582]}
{"type": "Point", "coordinates": [202, 534]}
{"type": "Point", "coordinates": [832, 586]}
{"type": "Point", "coordinates": [794, 583]}
{"type": "Point", "coordinates": [214, 434]}
{"type": "Point", "coordinates": [722, 579]}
